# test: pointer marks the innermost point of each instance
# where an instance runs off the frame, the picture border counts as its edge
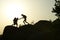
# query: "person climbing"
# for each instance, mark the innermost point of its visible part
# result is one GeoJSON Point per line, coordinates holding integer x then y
{"type": "Point", "coordinates": [15, 20]}
{"type": "Point", "coordinates": [25, 18]}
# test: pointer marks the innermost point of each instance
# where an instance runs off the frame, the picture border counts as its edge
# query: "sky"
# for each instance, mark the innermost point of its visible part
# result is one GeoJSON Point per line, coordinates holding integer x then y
{"type": "Point", "coordinates": [35, 10]}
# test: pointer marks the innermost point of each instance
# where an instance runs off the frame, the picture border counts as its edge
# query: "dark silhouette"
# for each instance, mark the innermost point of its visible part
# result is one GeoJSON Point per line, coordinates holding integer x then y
{"type": "Point", "coordinates": [56, 29]}
{"type": "Point", "coordinates": [0, 37]}
{"type": "Point", "coordinates": [11, 33]}
{"type": "Point", "coordinates": [42, 30]}
{"type": "Point", "coordinates": [29, 32]}
{"type": "Point", "coordinates": [15, 20]}
{"type": "Point", "coordinates": [43, 26]}
{"type": "Point", "coordinates": [57, 8]}
{"type": "Point", "coordinates": [25, 18]}
{"type": "Point", "coordinates": [56, 23]}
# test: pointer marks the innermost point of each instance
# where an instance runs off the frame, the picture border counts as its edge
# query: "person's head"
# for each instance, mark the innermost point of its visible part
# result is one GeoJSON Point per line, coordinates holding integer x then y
{"type": "Point", "coordinates": [21, 14]}
{"type": "Point", "coordinates": [14, 17]}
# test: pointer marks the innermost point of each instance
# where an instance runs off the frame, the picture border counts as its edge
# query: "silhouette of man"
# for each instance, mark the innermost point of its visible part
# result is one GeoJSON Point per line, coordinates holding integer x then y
{"type": "Point", "coordinates": [24, 16]}
{"type": "Point", "coordinates": [15, 20]}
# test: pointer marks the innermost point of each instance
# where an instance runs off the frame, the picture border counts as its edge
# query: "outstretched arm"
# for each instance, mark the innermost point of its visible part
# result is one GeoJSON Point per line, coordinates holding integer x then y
{"type": "Point", "coordinates": [20, 18]}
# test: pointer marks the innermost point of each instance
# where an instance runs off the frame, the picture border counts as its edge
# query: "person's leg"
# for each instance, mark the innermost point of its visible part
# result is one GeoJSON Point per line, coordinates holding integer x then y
{"type": "Point", "coordinates": [13, 23]}
{"type": "Point", "coordinates": [24, 22]}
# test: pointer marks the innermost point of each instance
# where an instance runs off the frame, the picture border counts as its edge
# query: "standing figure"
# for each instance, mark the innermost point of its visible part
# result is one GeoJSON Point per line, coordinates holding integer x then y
{"type": "Point", "coordinates": [25, 17]}
{"type": "Point", "coordinates": [15, 20]}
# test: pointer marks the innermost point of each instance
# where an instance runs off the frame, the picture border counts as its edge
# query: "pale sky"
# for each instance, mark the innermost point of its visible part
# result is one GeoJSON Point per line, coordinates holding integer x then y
{"type": "Point", "coordinates": [34, 9]}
